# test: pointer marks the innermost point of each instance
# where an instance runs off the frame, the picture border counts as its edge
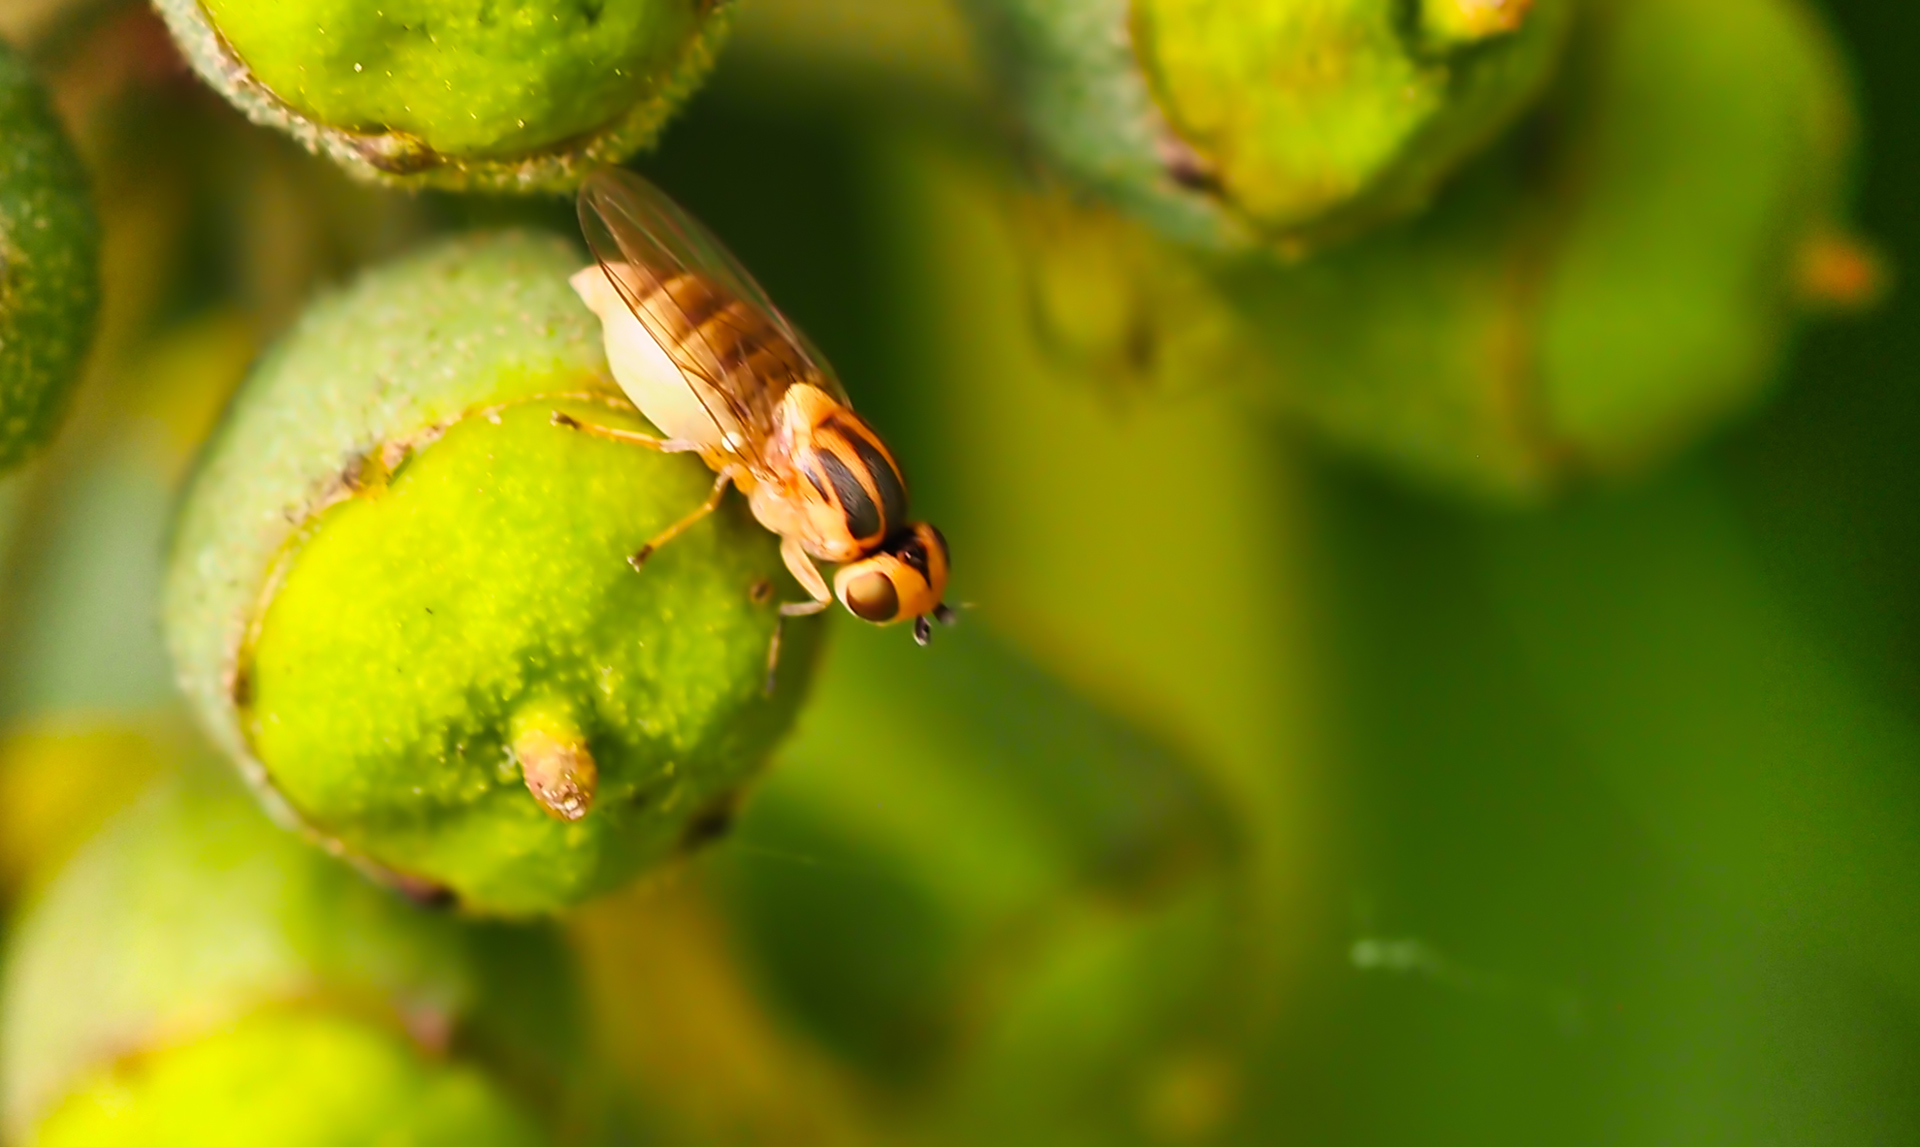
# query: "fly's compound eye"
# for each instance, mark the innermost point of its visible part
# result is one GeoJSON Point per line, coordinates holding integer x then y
{"type": "Point", "coordinates": [872, 597]}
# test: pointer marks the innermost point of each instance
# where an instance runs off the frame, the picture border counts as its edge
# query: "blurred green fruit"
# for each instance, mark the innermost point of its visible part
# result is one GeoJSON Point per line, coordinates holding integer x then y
{"type": "Point", "coordinates": [683, 1029]}
{"type": "Point", "coordinates": [1586, 300]}
{"type": "Point", "coordinates": [1286, 123]}
{"type": "Point", "coordinates": [979, 890]}
{"type": "Point", "coordinates": [972, 907]}
{"type": "Point", "coordinates": [1595, 297]}
{"type": "Point", "coordinates": [399, 594]}
{"type": "Point", "coordinates": [1129, 1025]}
{"type": "Point", "coordinates": [293, 1080]}
{"type": "Point", "coordinates": [49, 264]}
{"type": "Point", "coordinates": [60, 778]}
{"type": "Point", "coordinates": [519, 96]}
{"type": "Point", "coordinates": [195, 967]}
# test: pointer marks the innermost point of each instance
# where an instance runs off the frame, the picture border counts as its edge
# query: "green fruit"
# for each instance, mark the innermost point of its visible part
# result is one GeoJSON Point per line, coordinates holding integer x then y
{"type": "Point", "coordinates": [399, 594]}
{"type": "Point", "coordinates": [294, 1080]}
{"type": "Point", "coordinates": [1288, 123]}
{"type": "Point", "coordinates": [1589, 302]}
{"type": "Point", "coordinates": [1585, 300]}
{"type": "Point", "coordinates": [521, 95]}
{"type": "Point", "coordinates": [976, 908]}
{"type": "Point", "coordinates": [195, 967]}
{"type": "Point", "coordinates": [61, 777]}
{"type": "Point", "coordinates": [983, 820]}
{"type": "Point", "coordinates": [49, 264]}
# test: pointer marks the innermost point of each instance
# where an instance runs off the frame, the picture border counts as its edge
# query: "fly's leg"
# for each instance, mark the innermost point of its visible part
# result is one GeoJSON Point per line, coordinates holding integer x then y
{"type": "Point", "coordinates": [720, 484]}
{"type": "Point", "coordinates": [630, 437]}
{"type": "Point", "coordinates": [804, 571]}
{"type": "Point", "coordinates": [787, 609]}
{"type": "Point", "coordinates": [665, 446]}
{"type": "Point", "coordinates": [808, 575]}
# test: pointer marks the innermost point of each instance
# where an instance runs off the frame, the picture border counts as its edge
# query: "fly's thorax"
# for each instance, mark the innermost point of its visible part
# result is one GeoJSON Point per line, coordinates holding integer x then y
{"type": "Point", "coordinates": [853, 489]}
{"type": "Point", "coordinates": [785, 511]}
{"type": "Point", "coordinates": [793, 510]}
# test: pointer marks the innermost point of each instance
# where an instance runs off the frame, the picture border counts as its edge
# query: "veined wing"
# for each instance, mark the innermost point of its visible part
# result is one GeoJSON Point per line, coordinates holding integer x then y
{"type": "Point", "coordinates": [737, 352]}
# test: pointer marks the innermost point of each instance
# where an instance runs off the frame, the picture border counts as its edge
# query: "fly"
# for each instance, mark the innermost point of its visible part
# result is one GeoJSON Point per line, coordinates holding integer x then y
{"type": "Point", "coordinates": [704, 354]}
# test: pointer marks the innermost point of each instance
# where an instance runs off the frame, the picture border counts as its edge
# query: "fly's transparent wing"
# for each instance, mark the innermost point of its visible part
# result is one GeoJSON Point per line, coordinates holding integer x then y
{"type": "Point", "coordinates": [738, 352]}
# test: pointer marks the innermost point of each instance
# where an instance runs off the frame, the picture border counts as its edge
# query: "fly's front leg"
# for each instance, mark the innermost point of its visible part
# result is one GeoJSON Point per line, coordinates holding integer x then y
{"type": "Point", "coordinates": [630, 437]}
{"type": "Point", "coordinates": [804, 571]}
{"type": "Point", "coordinates": [720, 484]}
{"type": "Point", "coordinates": [808, 575]}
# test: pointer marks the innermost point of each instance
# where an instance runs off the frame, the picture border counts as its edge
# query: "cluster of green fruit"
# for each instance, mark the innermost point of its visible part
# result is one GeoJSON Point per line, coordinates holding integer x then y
{"type": "Point", "coordinates": [1495, 245]}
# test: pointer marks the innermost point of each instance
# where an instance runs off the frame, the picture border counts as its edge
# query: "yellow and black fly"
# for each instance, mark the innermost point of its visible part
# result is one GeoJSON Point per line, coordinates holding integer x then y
{"type": "Point", "coordinates": [709, 360]}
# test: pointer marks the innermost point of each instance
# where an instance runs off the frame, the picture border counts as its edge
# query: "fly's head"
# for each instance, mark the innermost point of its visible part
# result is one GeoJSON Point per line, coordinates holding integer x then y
{"type": "Point", "coordinates": [905, 578]}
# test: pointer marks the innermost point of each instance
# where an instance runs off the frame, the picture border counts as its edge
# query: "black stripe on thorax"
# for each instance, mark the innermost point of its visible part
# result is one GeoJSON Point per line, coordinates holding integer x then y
{"type": "Point", "coordinates": [863, 517]}
{"type": "Point", "coordinates": [886, 480]}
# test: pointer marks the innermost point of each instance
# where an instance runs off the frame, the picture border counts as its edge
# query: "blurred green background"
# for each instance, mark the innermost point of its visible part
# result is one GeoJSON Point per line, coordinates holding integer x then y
{"type": "Point", "coordinates": [1258, 798]}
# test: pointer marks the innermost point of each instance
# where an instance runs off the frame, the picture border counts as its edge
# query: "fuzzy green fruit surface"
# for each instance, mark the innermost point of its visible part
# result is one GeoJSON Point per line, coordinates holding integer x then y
{"type": "Point", "coordinates": [516, 94]}
{"type": "Point", "coordinates": [193, 962]}
{"type": "Point", "coordinates": [295, 1081]}
{"type": "Point", "coordinates": [1590, 302]}
{"type": "Point", "coordinates": [49, 264]}
{"type": "Point", "coordinates": [400, 593]}
{"type": "Point", "coordinates": [1290, 124]}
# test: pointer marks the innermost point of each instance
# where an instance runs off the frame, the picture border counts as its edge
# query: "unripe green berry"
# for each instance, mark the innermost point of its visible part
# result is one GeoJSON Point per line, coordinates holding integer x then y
{"type": "Point", "coordinates": [293, 1080]}
{"type": "Point", "coordinates": [1289, 124]}
{"type": "Point", "coordinates": [1590, 302]}
{"type": "Point", "coordinates": [49, 264]}
{"type": "Point", "coordinates": [1585, 300]}
{"type": "Point", "coordinates": [400, 594]}
{"type": "Point", "coordinates": [196, 975]}
{"type": "Point", "coordinates": [519, 95]}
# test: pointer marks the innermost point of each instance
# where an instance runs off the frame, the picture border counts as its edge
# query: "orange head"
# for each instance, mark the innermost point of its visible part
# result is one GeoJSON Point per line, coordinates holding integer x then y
{"type": "Point", "coordinates": [905, 577]}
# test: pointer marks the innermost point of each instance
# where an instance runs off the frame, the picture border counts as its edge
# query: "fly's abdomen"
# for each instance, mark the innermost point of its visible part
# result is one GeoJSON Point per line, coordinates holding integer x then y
{"type": "Point", "coordinates": [750, 360]}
